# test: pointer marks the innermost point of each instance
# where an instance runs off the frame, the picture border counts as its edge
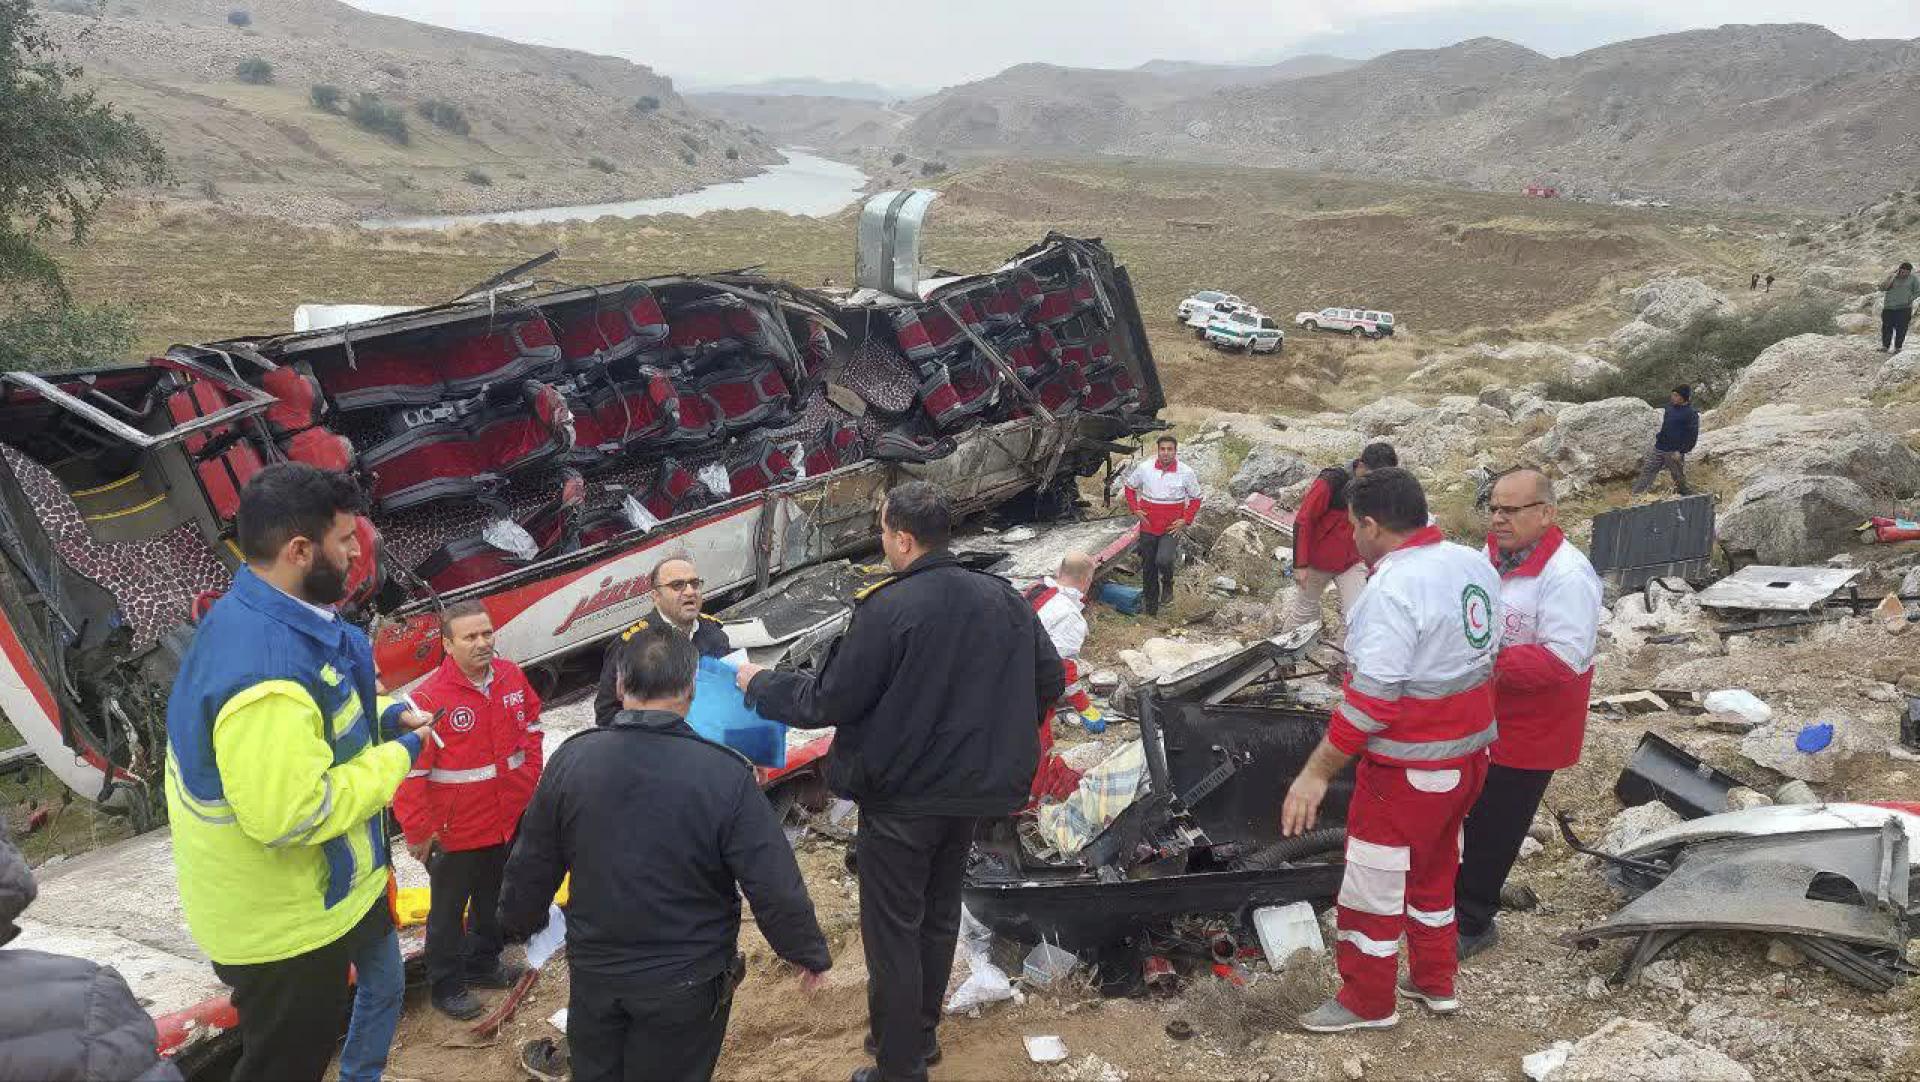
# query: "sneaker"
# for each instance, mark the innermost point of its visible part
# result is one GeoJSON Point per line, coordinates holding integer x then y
{"type": "Point", "coordinates": [501, 975]}
{"type": "Point", "coordinates": [1436, 1004]}
{"type": "Point", "coordinates": [1471, 945]}
{"type": "Point", "coordinates": [545, 1060]}
{"type": "Point", "coordinates": [458, 1005]}
{"type": "Point", "coordinates": [872, 1048]}
{"type": "Point", "coordinates": [1333, 1017]}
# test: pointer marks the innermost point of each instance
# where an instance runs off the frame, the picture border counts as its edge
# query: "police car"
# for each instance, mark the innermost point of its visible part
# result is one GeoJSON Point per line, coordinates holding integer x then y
{"type": "Point", "coordinates": [1358, 322]}
{"type": "Point", "coordinates": [1245, 329]}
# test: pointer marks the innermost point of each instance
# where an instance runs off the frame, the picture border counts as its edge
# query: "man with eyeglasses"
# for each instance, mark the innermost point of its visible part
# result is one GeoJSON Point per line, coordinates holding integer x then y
{"type": "Point", "coordinates": [1549, 620]}
{"type": "Point", "coordinates": [677, 599]}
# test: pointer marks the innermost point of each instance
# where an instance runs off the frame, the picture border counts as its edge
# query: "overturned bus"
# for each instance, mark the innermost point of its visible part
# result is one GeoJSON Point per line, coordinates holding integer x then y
{"type": "Point", "coordinates": [539, 452]}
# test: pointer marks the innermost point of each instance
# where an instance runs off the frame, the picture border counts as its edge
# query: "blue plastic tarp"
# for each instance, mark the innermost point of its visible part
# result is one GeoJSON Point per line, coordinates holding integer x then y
{"type": "Point", "coordinates": [721, 714]}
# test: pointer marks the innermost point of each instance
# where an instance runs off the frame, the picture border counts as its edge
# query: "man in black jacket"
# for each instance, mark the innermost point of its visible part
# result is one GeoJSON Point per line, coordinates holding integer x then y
{"type": "Point", "coordinates": [661, 830]}
{"type": "Point", "coordinates": [937, 689]}
{"type": "Point", "coordinates": [678, 593]}
{"type": "Point", "coordinates": [66, 1018]}
{"type": "Point", "coordinates": [1679, 431]}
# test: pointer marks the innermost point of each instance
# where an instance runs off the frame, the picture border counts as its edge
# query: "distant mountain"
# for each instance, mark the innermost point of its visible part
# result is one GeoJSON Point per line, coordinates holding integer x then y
{"type": "Point", "coordinates": [1549, 29]}
{"type": "Point", "coordinates": [1790, 115]}
{"type": "Point", "coordinates": [518, 125]}
{"type": "Point", "coordinates": [809, 88]}
{"type": "Point", "coordinates": [842, 126]}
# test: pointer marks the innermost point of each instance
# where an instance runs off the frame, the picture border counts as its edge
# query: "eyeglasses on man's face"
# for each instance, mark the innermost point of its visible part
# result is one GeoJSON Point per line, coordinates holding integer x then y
{"type": "Point", "coordinates": [1505, 511]}
{"type": "Point", "coordinates": [680, 585]}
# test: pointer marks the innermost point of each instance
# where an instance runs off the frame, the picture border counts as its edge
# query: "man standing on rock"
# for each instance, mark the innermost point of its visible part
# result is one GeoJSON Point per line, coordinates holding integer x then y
{"type": "Point", "coordinates": [1417, 711]}
{"type": "Point", "coordinates": [1549, 622]}
{"type": "Point", "coordinates": [1323, 552]}
{"type": "Point", "coordinates": [1165, 494]}
{"type": "Point", "coordinates": [936, 689]}
{"type": "Point", "coordinates": [1679, 431]}
{"type": "Point", "coordinates": [1896, 310]}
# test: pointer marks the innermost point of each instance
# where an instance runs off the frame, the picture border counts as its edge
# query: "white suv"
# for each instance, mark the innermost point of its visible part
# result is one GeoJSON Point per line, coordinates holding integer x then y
{"type": "Point", "coordinates": [1203, 300]}
{"type": "Point", "coordinates": [1205, 316]}
{"type": "Point", "coordinates": [1358, 322]}
{"type": "Point", "coordinates": [1246, 329]}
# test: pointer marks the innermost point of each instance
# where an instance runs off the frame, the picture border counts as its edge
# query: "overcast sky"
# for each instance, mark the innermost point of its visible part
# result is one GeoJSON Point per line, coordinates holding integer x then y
{"type": "Point", "coordinates": [935, 43]}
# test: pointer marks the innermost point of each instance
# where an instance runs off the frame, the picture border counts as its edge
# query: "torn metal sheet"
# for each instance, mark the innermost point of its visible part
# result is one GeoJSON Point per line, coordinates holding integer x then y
{"type": "Point", "coordinates": [1778, 819]}
{"type": "Point", "coordinates": [1260, 508]}
{"type": "Point", "coordinates": [1662, 770]}
{"type": "Point", "coordinates": [1849, 885]}
{"type": "Point", "coordinates": [1214, 679]}
{"type": "Point", "coordinates": [1636, 544]}
{"type": "Point", "coordinates": [1778, 589]}
{"type": "Point", "coordinates": [888, 256]}
{"type": "Point", "coordinates": [1027, 562]}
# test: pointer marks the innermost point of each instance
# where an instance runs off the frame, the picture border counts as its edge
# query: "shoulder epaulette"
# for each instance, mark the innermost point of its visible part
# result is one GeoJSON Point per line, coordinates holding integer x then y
{"type": "Point", "coordinates": [712, 619]}
{"type": "Point", "coordinates": [629, 633]}
{"type": "Point", "coordinates": [868, 591]}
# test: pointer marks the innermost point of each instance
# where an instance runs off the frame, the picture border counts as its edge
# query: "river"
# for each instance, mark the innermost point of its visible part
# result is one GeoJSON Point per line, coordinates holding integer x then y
{"type": "Point", "coordinates": [806, 185]}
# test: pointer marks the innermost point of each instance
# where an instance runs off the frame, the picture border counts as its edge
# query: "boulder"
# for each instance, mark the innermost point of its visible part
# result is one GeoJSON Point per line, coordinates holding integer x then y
{"type": "Point", "coordinates": [1243, 552]}
{"type": "Point", "coordinates": [1673, 303]}
{"type": "Point", "coordinates": [1773, 746]}
{"type": "Point", "coordinates": [1778, 441]}
{"type": "Point", "coordinates": [1599, 441]}
{"type": "Point", "coordinates": [1841, 279]}
{"type": "Point", "coordinates": [1805, 370]}
{"type": "Point", "coordinates": [1636, 823]}
{"type": "Point", "coordinates": [1513, 365]}
{"type": "Point", "coordinates": [1632, 339]}
{"type": "Point", "coordinates": [1268, 469]}
{"type": "Point", "coordinates": [1385, 416]}
{"type": "Point", "coordinates": [1897, 372]}
{"type": "Point", "coordinates": [1796, 519]}
{"type": "Point", "coordinates": [1856, 323]}
{"type": "Point", "coordinates": [1626, 1050]}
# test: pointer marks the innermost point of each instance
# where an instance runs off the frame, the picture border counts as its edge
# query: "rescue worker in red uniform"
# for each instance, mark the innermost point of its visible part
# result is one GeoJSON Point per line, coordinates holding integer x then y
{"type": "Point", "coordinates": [461, 805]}
{"type": "Point", "coordinates": [1060, 602]}
{"type": "Point", "coordinates": [1323, 552]}
{"type": "Point", "coordinates": [1549, 622]}
{"type": "Point", "coordinates": [1417, 711]}
{"type": "Point", "coordinates": [1165, 495]}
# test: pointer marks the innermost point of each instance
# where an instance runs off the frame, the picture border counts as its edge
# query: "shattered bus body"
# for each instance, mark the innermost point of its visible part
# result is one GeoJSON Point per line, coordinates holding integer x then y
{"type": "Point", "coordinates": [539, 453]}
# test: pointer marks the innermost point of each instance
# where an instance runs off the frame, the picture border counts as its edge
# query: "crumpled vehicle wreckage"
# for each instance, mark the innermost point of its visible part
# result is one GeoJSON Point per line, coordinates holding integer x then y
{"type": "Point", "coordinates": [540, 452]}
{"type": "Point", "coordinates": [1201, 838]}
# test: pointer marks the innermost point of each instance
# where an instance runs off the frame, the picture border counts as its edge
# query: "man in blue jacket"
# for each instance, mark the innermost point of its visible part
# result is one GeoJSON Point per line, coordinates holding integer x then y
{"type": "Point", "coordinates": [1679, 431]}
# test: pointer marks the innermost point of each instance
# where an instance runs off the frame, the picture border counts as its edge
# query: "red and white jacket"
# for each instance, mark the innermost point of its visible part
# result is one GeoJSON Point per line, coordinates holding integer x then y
{"type": "Point", "coordinates": [1420, 658]}
{"type": "Point", "coordinates": [1062, 612]}
{"type": "Point", "coordinates": [1166, 495]}
{"type": "Point", "coordinates": [1322, 534]}
{"type": "Point", "coordinates": [1549, 621]}
{"type": "Point", "coordinates": [470, 786]}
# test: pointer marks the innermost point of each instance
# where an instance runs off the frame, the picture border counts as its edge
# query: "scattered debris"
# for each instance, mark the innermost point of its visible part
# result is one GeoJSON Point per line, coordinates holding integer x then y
{"type": "Point", "coordinates": [1047, 964]}
{"type": "Point", "coordinates": [1765, 588]}
{"type": "Point", "coordinates": [1633, 546]}
{"type": "Point", "coordinates": [1103, 681]}
{"type": "Point", "coordinates": [1782, 953]}
{"type": "Point", "coordinates": [1518, 897]}
{"type": "Point", "coordinates": [1809, 752]}
{"type": "Point", "coordinates": [1046, 1049]}
{"type": "Point", "coordinates": [1284, 929]}
{"type": "Point", "coordinates": [1626, 1050]}
{"type": "Point", "coordinates": [1636, 823]}
{"type": "Point", "coordinates": [1795, 792]}
{"type": "Point", "coordinates": [1741, 798]}
{"type": "Point", "coordinates": [1631, 704]}
{"type": "Point", "coordinates": [1180, 1029]}
{"type": "Point", "coordinates": [1740, 702]}
{"type": "Point", "coordinates": [1546, 1061]}
{"type": "Point", "coordinates": [1091, 1068]}
{"type": "Point", "coordinates": [1353, 1068]}
{"type": "Point", "coordinates": [1662, 770]}
{"type": "Point", "coordinates": [1530, 847]}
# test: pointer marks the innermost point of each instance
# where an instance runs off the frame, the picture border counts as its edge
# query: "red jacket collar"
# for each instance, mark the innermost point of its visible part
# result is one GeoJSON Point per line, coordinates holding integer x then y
{"type": "Point", "coordinates": [1537, 560]}
{"type": "Point", "coordinates": [1426, 535]}
{"type": "Point", "coordinates": [450, 672]}
{"type": "Point", "coordinates": [1166, 469]}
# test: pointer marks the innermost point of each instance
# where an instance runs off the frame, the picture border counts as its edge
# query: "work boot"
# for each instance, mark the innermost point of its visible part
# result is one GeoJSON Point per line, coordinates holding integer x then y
{"type": "Point", "coordinates": [1471, 945]}
{"type": "Point", "coordinates": [1436, 1004]}
{"type": "Point", "coordinates": [1334, 1017]}
{"type": "Point", "coordinates": [872, 1048]}
{"type": "Point", "coordinates": [499, 975]}
{"type": "Point", "coordinates": [458, 1004]}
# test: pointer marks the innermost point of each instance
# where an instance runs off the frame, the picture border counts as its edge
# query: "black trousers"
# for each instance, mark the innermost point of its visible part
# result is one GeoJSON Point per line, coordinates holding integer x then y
{"type": "Point", "coordinates": [293, 1012]}
{"type": "Point", "coordinates": [1494, 830]}
{"type": "Point", "coordinates": [463, 926]}
{"type": "Point", "coordinates": [910, 870]}
{"type": "Point", "coordinates": [618, 1033]}
{"type": "Point", "coordinates": [1893, 327]}
{"type": "Point", "coordinates": [1158, 551]}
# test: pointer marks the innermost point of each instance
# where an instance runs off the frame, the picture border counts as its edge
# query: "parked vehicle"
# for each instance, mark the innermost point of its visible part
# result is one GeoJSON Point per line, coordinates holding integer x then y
{"type": "Point", "coordinates": [1358, 322]}
{"type": "Point", "coordinates": [1202, 318]}
{"type": "Point", "coordinates": [1203, 300]}
{"type": "Point", "coordinates": [1246, 330]}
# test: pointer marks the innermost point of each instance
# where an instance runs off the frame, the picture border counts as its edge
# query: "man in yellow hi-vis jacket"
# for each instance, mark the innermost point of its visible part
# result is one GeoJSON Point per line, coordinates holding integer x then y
{"type": "Point", "coordinates": [276, 780]}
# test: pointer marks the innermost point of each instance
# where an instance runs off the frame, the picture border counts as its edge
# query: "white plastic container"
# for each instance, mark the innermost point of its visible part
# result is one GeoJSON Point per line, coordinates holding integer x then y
{"type": "Point", "coordinates": [1047, 963]}
{"type": "Point", "coordinates": [1284, 929]}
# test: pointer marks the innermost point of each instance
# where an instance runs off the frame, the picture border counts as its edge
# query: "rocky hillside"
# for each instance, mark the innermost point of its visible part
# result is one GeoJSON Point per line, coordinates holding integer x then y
{"type": "Point", "coordinates": [1788, 115]}
{"type": "Point", "coordinates": [527, 126]}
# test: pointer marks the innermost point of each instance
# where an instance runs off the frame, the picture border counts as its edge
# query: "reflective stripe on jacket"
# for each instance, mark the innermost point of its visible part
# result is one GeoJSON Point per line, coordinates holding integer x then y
{"type": "Point", "coordinates": [1549, 621]}
{"type": "Point", "coordinates": [275, 783]}
{"type": "Point", "coordinates": [1165, 496]}
{"type": "Point", "coordinates": [1420, 657]}
{"type": "Point", "coordinates": [471, 785]}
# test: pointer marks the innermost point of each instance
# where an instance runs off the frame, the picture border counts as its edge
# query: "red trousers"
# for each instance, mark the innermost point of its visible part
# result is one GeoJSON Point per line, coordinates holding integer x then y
{"type": "Point", "coordinates": [1403, 852]}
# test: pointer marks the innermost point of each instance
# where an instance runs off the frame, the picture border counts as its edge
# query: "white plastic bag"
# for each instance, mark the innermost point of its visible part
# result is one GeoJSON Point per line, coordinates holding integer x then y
{"type": "Point", "coordinates": [1739, 701]}
{"type": "Point", "coordinates": [547, 941]}
{"type": "Point", "coordinates": [714, 476]}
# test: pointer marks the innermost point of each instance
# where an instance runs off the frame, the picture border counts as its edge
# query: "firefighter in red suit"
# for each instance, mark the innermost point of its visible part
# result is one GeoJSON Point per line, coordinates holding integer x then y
{"type": "Point", "coordinates": [1060, 601]}
{"type": "Point", "coordinates": [461, 805]}
{"type": "Point", "coordinates": [1549, 621]}
{"type": "Point", "coordinates": [1417, 712]}
{"type": "Point", "coordinates": [1165, 494]}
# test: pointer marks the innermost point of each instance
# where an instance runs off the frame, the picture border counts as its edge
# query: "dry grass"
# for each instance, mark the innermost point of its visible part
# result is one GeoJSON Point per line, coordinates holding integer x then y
{"type": "Point", "coordinates": [1237, 1016]}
